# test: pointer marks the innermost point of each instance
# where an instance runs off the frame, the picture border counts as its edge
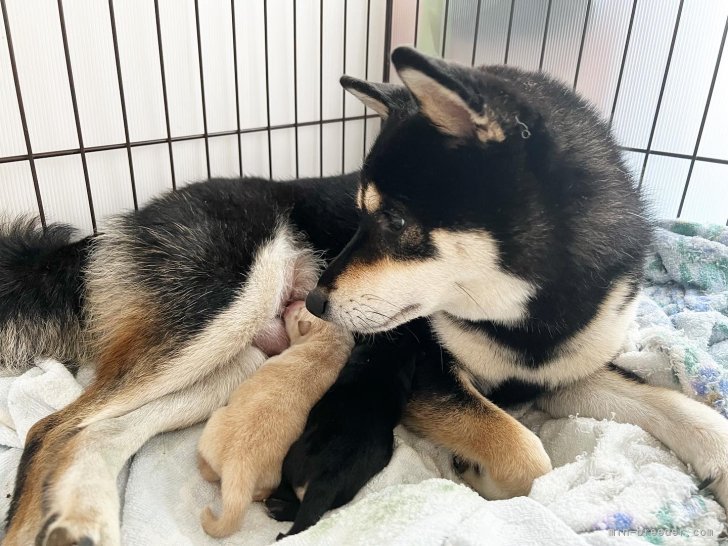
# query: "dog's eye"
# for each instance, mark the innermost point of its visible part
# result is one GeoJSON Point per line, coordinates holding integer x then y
{"type": "Point", "coordinates": [394, 221]}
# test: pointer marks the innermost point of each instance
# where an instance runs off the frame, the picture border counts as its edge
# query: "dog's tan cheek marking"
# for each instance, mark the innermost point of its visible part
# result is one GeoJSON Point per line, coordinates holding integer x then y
{"type": "Point", "coordinates": [361, 272]}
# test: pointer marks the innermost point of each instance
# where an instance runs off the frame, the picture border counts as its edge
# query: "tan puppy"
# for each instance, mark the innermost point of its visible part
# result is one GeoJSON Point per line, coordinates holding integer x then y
{"type": "Point", "coordinates": [245, 442]}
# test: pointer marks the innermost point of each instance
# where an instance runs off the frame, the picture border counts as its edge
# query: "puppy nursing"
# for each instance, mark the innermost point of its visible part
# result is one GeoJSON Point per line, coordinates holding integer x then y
{"type": "Point", "coordinates": [244, 443]}
{"type": "Point", "coordinates": [348, 436]}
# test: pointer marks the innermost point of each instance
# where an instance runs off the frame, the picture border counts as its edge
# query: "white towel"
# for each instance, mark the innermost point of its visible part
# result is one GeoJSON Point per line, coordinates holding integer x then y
{"type": "Point", "coordinates": [608, 477]}
{"type": "Point", "coordinates": [436, 512]}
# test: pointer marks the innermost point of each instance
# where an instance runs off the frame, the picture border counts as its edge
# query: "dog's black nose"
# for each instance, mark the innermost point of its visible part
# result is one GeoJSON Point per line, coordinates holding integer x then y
{"type": "Point", "coordinates": [317, 301]}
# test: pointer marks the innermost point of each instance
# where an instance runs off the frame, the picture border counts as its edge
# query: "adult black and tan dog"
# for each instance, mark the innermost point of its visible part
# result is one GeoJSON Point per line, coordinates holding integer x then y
{"type": "Point", "coordinates": [494, 202]}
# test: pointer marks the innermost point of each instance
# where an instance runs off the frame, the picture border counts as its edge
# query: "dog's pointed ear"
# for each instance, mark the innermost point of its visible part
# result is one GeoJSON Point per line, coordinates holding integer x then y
{"type": "Point", "coordinates": [443, 100]}
{"type": "Point", "coordinates": [380, 97]}
{"type": "Point", "coordinates": [304, 327]}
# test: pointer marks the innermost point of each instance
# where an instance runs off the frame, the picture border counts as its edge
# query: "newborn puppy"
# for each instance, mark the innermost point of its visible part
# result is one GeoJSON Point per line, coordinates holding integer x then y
{"type": "Point", "coordinates": [348, 436]}
{"type": "Point", "coordinates": [244, 443]}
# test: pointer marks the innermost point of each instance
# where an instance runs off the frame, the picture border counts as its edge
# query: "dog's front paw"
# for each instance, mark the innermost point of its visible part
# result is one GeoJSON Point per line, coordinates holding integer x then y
{"type": "Point", "coordinates": [509, 474]}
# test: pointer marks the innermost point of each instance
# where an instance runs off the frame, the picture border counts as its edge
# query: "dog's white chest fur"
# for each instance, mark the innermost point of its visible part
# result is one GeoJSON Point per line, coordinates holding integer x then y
{"type": "Point", "coordinates": [577, 357]}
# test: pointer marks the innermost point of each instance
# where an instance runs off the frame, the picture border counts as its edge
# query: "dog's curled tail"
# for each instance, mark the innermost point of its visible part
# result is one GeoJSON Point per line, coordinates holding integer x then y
{"type": "Point", "coordinates": [41, 293]}
{"type": "Point", "coordinates": [237, 494]}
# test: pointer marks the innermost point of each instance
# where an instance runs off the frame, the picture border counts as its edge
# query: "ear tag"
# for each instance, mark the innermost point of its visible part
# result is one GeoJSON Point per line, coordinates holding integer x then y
{"type": "Point", "coordinates": [525, 132]}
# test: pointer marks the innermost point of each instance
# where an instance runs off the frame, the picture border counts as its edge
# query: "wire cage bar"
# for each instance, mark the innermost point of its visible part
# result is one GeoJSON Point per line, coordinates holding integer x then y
{"type": "Point", "coordinates": [402, 23]}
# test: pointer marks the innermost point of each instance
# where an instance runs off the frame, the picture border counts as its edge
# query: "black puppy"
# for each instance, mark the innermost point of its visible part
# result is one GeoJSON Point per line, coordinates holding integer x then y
{"type": "Point", "coordinates": [348, 436]}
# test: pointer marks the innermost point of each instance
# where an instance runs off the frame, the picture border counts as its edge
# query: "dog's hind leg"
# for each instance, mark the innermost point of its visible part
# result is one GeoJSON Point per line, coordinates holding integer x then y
{"type": "Point", "coordinates": [697, 434]}
{"type": "Point", "coordinates": [66, 491]}
{"type": "Point", "coordinates": [278, 266]}
{"type": "Point", "coordinates": [141, 362]}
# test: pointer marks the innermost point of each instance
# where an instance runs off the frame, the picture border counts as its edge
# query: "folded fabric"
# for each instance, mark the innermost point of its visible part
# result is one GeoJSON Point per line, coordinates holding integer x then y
{"type": "Point", "coordinates": [436, 512]}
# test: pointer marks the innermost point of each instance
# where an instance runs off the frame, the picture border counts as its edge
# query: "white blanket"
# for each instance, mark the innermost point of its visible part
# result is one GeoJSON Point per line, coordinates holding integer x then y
{"type": "Point", "coordinates": [608, 477]}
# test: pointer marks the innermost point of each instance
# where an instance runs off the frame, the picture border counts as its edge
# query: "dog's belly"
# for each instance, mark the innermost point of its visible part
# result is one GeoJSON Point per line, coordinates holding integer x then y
{"type": "Point", "coordinates": [588, 350]}
{"type": "Point", "coordinates": [272, 339]}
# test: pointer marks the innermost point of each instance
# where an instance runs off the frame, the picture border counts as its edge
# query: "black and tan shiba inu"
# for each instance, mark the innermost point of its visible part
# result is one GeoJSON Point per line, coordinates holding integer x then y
{"type": "Point", "coordinates": [494, 202]}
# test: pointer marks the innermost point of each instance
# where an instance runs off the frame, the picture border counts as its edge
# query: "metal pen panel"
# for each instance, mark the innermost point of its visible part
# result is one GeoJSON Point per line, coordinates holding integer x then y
{"type": "Point", "coordinates": [193, 89]}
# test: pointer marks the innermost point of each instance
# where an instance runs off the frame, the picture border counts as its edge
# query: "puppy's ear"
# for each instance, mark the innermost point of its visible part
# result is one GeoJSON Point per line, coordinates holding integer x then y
{"type": "Point", "coordinates": [380, 97]}
{"type": "Point", "coordinates": [304, 327]}
{"type": "Point", "coordinates": [443, 99]}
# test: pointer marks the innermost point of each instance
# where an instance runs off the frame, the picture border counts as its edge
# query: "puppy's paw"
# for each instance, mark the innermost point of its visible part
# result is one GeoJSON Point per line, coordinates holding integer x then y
{"type": "Point", "coordinates": [281, 510]}
{"type": "Point", "coordinates": [281, 536]}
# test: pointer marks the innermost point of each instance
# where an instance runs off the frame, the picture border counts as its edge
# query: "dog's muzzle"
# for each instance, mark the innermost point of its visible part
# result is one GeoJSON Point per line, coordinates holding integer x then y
{"type": "Point", "coordinates": [317, 301]}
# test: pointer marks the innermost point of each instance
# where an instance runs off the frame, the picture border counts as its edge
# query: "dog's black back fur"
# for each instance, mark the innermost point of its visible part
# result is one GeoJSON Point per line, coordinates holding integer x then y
{"type": "Point", "coordinates": [223, 222]}
{"type": "Point", "coordinates": [348, 436]}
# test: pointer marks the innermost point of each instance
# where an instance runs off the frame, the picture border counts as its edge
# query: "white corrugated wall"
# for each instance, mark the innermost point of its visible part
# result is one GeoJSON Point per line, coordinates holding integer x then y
{"type": "Point", "coordinates": [655, 91]}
